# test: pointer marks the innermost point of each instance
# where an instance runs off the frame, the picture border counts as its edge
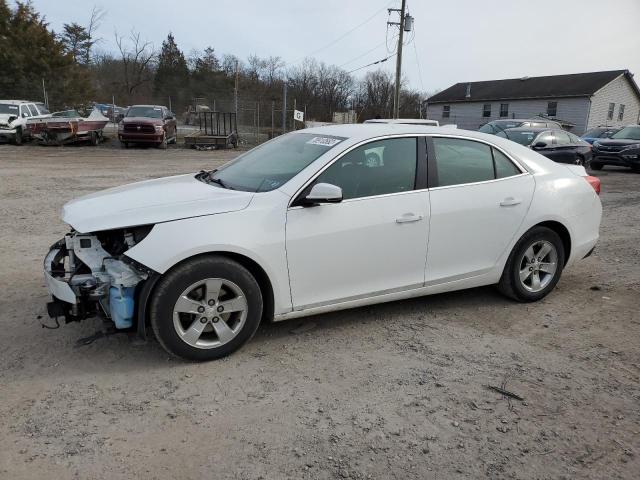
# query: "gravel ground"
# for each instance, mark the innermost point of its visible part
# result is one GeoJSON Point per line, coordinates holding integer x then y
{"type": "Point", "coordinates": [389, 391]}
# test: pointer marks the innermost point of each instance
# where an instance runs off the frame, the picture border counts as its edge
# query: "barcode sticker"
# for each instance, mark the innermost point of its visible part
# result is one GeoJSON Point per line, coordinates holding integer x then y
{"type": "Point", "coordinates": [325, 141]}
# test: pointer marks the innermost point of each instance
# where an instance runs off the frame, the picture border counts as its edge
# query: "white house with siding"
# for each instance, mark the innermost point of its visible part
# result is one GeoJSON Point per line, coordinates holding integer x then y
{"type": "Point", "coordinates": [579, 101]}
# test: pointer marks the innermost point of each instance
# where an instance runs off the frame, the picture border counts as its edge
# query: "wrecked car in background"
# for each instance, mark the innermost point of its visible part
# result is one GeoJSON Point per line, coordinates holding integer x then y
{"type": "Point", "coordinates": [299, 225]}
{"type": "Point", "coordinates": [14, 115]}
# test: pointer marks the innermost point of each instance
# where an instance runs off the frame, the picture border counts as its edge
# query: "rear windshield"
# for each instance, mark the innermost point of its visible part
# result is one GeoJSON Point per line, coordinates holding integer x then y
{"type": "Point", "coordinates": [9, 108]}
{"type": "Point", "coordinates": [628, 133]}
{"type": "Point", "coordinates": [274, 163]}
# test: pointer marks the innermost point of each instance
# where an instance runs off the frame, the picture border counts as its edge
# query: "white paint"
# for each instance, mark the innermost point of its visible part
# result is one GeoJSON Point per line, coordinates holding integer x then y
{"type": "Point", "coordinates": [355, 252]}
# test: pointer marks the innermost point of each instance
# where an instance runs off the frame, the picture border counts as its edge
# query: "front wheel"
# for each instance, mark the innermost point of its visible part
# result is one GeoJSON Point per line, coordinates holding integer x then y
{"type": "Point", "coordinates": [206, 308]}
{"type": "Point", "coordinates": [18, 138]}
{"type": "Point", "coordinates": [534, 266]}
{"type": "Point", "coordinates": [595, 165]}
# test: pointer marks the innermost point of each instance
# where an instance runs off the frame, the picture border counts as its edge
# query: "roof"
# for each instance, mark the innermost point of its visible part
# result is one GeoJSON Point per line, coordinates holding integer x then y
{"type": "Point", "coordinates": [553, 86]}
{"type": "Point", "coordinates": [16, 102]}
{"type": "Point", "coordinates": [412, 121]}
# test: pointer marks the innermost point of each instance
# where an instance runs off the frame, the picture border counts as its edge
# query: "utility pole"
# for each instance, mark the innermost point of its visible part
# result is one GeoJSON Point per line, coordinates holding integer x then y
{"type": "Point", "coordinates": [405, 24]}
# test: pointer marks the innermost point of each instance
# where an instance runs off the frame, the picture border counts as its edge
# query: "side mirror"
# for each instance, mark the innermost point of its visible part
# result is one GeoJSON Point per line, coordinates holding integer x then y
{"type": "Point", "coordinates": [539, 145]}
{"type": "Point", "coordinates": [323, 193]}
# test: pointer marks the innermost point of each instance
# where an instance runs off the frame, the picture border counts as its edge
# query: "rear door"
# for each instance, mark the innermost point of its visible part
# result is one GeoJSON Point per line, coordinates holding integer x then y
{"type": "Point", "coordinates": [479, 198]}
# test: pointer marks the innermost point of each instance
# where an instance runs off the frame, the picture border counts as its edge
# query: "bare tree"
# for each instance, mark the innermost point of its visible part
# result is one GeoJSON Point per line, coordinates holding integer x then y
{"type": "Point", "coordinates": [97, 16]}
{"type": "Point", "coordinates": [137, 61]}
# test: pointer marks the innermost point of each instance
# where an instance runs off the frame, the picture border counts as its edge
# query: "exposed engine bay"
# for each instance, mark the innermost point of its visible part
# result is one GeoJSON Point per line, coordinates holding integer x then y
{"type": "Point", "coordinates": [89, 275]}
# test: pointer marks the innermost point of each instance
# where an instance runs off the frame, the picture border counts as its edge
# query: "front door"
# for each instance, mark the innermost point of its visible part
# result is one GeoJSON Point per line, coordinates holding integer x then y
{"type": "Point", "coordinates": [479, 198]}
{"type": "Point", "coordinates": [375, 240]}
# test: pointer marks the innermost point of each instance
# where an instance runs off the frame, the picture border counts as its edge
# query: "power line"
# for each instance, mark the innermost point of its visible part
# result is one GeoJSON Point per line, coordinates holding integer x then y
{"type": "Point", "coordinates": [415, 50]}
{"type": "Point", "coordinates": [344, 34]}
{"type": "Point", "coordinates": [374, 63]}
{"type": "Point", "coordinates": [360, 56]}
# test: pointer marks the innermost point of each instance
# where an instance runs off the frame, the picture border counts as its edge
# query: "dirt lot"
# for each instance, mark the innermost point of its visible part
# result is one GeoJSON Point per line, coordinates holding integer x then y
{"type": "Point", "coordinates": [390, 391]}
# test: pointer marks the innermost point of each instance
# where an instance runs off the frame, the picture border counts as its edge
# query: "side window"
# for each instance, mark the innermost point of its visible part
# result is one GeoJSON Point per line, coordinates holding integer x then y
{"type": "Point", "coordinates": [504, 166]}
{"type": "Point", "coordinates": [33, 110]}
{"type": "Point", "coordinates": [545, 137]}
{"type": "Point", "coordinates": [377, 168]}
{"type": "Point", "coordinates": [462, 161]}
{"type": "Point", "coordinates": [24, 111]}
{"type": "Point", "coordinates": [562, 138]}
{"type": "Point", "coordinates": [574, 138]}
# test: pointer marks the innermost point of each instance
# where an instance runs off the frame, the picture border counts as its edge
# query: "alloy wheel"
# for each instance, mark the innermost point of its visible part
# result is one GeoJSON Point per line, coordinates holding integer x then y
{"type": "Point", "coordinates": [210, 313]}
{"type": "Point", "coordinates": [538, 266]}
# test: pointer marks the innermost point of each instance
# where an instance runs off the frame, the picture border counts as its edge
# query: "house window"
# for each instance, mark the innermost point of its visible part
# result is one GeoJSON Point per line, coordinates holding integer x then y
{"type": "Point", "coordinates": [612, 107]}
{"type": "Point", "coordinates": [621, 113]}
{"type": "Point", "coordinates": [446, 111]}
{"type": "Point", "coordinates": [504, 109]}
{"type": "Point", "coordinates": [486, 110]}
{"type": "Point", "coordinates": [552, 109]}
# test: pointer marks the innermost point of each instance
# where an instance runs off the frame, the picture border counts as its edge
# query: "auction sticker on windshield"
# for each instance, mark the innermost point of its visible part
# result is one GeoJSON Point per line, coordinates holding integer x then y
{"type": "Point", "coordinates": [325, 141]}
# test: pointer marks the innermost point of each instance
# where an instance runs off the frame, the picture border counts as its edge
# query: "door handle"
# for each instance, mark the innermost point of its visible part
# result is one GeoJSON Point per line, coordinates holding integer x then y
{"type": "Point", "coordinates": [408, 218]}
{"type": "Point", "coordinates": [510, 202]}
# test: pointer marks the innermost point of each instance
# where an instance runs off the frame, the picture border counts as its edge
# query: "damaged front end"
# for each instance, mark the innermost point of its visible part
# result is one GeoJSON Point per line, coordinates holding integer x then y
{"type": "Point", "coordinates": [88, 275]}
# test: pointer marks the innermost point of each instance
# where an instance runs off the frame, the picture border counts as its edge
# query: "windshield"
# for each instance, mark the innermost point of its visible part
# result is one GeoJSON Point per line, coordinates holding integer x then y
{"type": "Point", "coordinates": [150, 112]}
{"type": "Point", "coordinates": [594, 133]}
{"type": "Point", "coordinates": [8, 108]}
{"type": "Point", "coordinates": [523, 137]}
{"type": "Point", "coordinates": [271, 165]}
{"type": "Point", "coordinates": [629, 133]}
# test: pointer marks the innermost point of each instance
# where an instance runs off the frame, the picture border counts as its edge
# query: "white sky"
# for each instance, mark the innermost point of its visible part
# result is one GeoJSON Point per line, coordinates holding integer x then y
{"type": "Point", "coordinates": [455, 40]}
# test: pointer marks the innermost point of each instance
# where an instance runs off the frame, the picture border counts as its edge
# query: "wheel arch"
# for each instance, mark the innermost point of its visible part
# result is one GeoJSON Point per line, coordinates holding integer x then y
{"type": "Point", "coordinates": [258, 272]}
{"type": "Point", "coordinates": [563, 233]}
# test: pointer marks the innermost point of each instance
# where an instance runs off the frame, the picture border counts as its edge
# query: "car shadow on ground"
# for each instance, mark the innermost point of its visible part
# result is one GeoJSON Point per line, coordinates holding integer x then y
{"type": "Point", "coordinates": [124, 352]}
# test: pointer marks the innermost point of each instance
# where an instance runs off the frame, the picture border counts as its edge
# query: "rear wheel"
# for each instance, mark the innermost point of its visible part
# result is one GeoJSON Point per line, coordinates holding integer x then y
{"type": "Point", "coordinates": [534, 266]}
{"type": "Point", "coordinates": [206, 308]}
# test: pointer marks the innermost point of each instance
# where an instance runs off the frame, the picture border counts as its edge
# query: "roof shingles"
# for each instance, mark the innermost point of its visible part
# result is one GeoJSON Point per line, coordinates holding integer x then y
{"type": "Point", "coordinates": [554, 86]}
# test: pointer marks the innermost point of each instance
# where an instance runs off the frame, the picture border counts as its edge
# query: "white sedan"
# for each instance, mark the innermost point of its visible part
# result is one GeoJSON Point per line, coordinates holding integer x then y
{"type": "Point", "coordinates": [319, 220]}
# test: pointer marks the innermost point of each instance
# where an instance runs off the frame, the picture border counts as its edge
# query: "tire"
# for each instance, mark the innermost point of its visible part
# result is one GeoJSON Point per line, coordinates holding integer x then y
{"type": "Point", "coordinates": [579, 161]}
{"type": "Point", "coordinates": [18, 138]}
{"type": "Point", "coordinates": [179, 308]}
{"type": "Point", "coordinates": [124, 144]}
{"type": "Point", "coordinates": [527, 290]}
{"type": "Point", "coordinates": [635, 168]}
{"type": "Point", "coordinates": [595, 165]}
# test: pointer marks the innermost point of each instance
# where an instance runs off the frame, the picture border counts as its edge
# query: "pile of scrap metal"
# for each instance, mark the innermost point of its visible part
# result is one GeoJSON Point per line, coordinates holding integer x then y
{"type": "Point", "coordinates": [68, 126]}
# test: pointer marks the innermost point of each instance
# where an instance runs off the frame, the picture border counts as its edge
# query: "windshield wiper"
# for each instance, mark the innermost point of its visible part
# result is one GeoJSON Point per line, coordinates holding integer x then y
{"type": "Point", "coordinates": [219, 182]}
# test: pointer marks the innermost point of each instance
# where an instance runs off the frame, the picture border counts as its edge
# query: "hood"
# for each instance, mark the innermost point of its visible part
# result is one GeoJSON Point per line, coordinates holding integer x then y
{"type": "Point", "coordinates": [151, 201]}
{"type": "Point", "coordinates": [151, 121]}
{"type": "Point", "coordinates": [616, 142]}
{"type": "Point", "coordinates": [7, 118]}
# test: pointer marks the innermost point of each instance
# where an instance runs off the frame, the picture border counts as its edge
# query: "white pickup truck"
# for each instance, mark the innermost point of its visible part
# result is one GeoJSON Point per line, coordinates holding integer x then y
{"type": "Point", "coordinates": [13, 118]}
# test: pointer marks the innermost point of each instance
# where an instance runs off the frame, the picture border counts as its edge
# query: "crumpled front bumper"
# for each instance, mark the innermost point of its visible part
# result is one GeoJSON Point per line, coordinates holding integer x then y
{"type": "Point", "coordinates": [57, 288]}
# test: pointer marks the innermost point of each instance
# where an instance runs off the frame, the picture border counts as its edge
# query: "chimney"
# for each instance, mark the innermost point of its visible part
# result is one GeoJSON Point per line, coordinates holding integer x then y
{"type": "Point", "coordinates": [468, 94]}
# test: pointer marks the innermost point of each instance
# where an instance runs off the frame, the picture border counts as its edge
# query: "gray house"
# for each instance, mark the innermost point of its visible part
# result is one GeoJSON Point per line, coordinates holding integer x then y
{"type": "Point", "coordinates": [579, 101]}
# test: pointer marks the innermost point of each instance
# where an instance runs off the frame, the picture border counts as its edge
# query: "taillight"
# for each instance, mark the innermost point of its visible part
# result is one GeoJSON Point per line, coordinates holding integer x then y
{"type": "Point", "coordinates": [594, 182]}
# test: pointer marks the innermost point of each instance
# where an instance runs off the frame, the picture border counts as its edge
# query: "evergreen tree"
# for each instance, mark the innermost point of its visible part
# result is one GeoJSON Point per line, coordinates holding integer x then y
{"type": "Point", "coordinates": [29, 53]}
{"type": "Point", "coordinates": [77, 42]}
{"type": "Point", "coordinates": [172, 75]}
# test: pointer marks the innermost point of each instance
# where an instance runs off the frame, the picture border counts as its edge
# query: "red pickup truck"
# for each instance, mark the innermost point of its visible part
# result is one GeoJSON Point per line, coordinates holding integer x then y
{"type": "Point", "coordinates": [154, 124]}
